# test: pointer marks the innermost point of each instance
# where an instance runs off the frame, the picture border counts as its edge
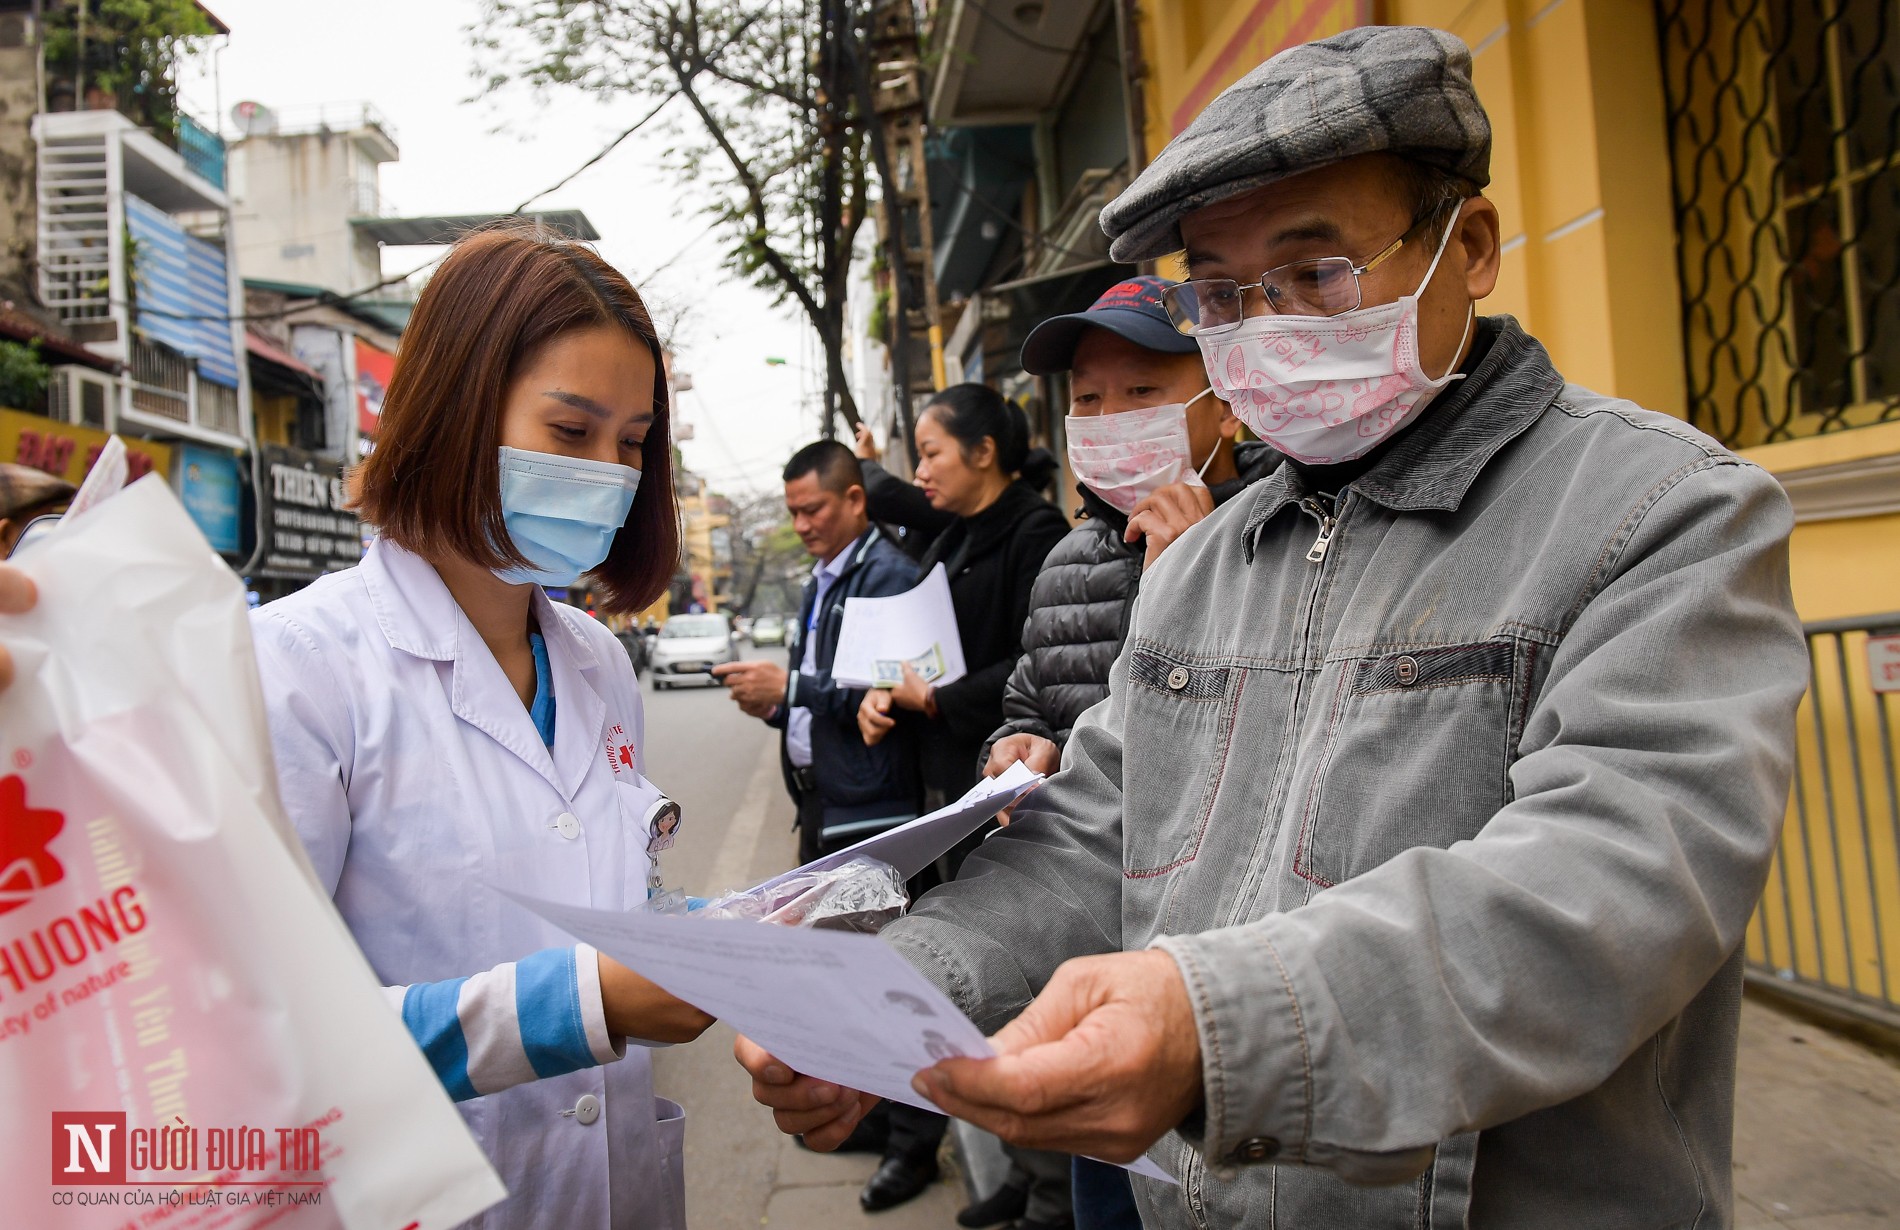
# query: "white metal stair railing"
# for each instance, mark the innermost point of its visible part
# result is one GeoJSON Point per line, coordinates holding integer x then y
{"type": "Point", "coordinates": [75, 233]}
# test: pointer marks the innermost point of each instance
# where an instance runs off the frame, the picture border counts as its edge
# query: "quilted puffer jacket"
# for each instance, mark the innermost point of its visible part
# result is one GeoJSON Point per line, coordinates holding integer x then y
{"type": "Point", "coordinates": [1078, 613]}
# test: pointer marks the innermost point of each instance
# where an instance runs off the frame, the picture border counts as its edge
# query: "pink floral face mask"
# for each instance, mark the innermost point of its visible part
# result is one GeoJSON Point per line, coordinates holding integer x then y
{"type": "Point", "coordinates": [1325, 389]}
{"type": "Point", "coordinates": [1126, 457]}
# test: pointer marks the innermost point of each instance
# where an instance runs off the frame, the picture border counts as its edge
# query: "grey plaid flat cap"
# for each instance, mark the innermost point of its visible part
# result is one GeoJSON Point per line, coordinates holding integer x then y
{"type": "Point", "coordinates": [1376, 89]}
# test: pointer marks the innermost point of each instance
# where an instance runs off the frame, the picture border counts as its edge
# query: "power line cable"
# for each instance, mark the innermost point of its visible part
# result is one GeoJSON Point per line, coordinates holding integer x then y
{"type": "Point", "coordinates": [328, 299]}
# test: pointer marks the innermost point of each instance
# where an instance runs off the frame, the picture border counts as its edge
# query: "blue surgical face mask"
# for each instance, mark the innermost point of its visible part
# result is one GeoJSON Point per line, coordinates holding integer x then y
{"type": "Point", "coordinates": [561, 512]}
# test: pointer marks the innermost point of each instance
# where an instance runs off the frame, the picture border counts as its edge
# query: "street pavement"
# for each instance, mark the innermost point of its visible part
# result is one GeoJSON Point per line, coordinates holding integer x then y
{"type": "Point", "coordinates": [736, 828]}
{"type": "Point", "coordinates": [1817, 1132]}
{"type": "Point", "coordinates": [1817, 1129]}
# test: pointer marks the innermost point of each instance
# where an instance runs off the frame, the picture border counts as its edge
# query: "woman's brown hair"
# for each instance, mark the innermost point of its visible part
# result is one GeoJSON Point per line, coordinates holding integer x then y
{"type": "Point", "coordinates": [433, 485]}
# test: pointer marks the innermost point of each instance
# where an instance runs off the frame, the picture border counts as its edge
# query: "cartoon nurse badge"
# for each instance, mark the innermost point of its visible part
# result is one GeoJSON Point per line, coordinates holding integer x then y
{"type": "Point", "coordinates": [662, 825]}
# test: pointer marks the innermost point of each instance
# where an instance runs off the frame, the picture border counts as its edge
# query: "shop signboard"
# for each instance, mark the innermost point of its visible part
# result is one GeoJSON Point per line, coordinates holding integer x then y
{"type": "Point", "coordinates": [305, 529]}
{"type": "Point", "coordinates": [209, 488]}
{"type": "Point", "coordinates": [67, 452]}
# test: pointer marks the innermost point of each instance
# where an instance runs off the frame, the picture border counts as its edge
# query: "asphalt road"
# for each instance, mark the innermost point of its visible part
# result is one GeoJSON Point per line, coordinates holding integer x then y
{"type": "Point", "coordinates": [722, 769]}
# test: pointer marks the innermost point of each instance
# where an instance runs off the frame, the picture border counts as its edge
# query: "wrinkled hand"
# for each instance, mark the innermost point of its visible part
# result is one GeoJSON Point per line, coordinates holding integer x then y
{"type": "Point", "coordinates": [1038, 753]}
{"type": "Point", "coordinates": [865, 444]}
{"type": "Point", "coordinates": [913, 693]}
{"type": "Point", "coordinates": [822, 1113]}
{"type": "Point", "coordinates": [1166, 515]}
{"type": "Point", "coordinates": [874, 716]}
{"type": "Point", "coordinates": [1104, 1062]}
{"type": "Point", "coordinates": [637, 1008]}
{"type": "Point", "coordinates": [17, 596]}
{"type": "Point", "coordinates": [757, 687]}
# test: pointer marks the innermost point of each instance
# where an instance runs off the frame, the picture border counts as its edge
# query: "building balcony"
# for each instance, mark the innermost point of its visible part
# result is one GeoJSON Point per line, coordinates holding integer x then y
{"type": "Point", "coordinates": [359, 121]}
{"type": "Point", "coordinates": [118, 265]}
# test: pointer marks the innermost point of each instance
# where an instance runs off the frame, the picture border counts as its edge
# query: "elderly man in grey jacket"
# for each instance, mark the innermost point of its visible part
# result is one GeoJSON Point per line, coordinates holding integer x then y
{"type": "Point", "coordinates": [1401, 880]}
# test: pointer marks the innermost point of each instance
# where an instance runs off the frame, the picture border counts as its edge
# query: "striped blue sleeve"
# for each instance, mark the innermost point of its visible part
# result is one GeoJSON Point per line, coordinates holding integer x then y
{"type": "Point", "coordinates": [537, 1017]}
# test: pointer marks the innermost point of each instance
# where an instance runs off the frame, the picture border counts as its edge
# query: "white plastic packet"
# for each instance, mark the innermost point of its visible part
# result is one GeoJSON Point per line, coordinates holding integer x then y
{"type": "Point", "coordinates": [187, 1029]}
{"type": "Point", "coordinates": [861, 895]}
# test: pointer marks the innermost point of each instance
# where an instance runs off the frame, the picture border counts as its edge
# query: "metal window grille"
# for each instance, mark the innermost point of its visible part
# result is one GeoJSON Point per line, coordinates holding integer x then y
{"type": "Point", "coordinates": [217, 407]}
{"type": "Point", "coordinates": [1828, 927]}
{"type": "Point", "coordinates": [161, 380]}
{"type": "Point", "coordinates": [1784, 131]}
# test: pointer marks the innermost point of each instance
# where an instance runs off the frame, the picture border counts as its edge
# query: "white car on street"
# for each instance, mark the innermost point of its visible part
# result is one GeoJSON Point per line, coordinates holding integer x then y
{"type": "Point", "coordinates": [689, 646]}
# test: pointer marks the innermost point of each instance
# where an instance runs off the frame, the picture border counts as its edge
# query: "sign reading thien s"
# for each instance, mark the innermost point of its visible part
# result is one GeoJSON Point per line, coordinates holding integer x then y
{"type": "Point", "coordinates": [306, 528]}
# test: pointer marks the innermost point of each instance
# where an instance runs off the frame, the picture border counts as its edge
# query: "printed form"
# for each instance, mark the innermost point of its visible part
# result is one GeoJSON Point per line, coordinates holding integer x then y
{"type": "Point", "coordinates": [881, 634]}
{"type": "Point", "coordinates": [835, 1005]}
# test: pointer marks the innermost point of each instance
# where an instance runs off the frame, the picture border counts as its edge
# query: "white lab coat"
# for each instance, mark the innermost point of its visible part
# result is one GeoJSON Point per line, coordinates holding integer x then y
{"type": "Point", "coordinates": [417, 781]}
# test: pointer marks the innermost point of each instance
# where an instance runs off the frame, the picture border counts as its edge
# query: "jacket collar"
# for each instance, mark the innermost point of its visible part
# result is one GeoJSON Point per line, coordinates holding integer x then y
{"type": "Point", "coordinates": [854, 558]}
{"type": "Point", "coordinates": [418, 616]}
{"type": "Point", "coordinates": [1433, 465]}
{"type": "Point", "coordinates": [414, 609]}
{"type": "Point", "coordinates": [992, 527]}
{"type": "Point", "coordinates": [999, 521]}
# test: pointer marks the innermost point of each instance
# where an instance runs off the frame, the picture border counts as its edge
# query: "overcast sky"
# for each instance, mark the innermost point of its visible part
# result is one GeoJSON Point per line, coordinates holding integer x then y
{"type": "Point", "coordinates": [411, 59]}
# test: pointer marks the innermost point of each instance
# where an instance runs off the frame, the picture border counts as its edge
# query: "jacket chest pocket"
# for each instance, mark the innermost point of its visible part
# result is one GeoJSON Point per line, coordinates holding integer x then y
{"type": "Point", "coordinates": [1185, 709]}
{"type": "Point", "coordinates": [1416, 753]}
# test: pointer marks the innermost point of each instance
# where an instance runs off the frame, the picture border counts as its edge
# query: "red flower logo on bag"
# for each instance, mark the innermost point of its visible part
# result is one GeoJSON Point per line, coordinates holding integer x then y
{"type": "Point", "coordinates": [26, 865]}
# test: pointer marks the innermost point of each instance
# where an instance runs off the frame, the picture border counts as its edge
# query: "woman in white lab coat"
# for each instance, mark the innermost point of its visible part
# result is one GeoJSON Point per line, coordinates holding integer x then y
{"type": "Point", "coordinates": [443, 730]}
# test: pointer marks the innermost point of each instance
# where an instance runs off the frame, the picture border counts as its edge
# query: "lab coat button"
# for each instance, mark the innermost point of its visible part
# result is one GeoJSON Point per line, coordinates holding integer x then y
{"type": "Point", "coordinates": [587, 1109]}
{"type": "Point", "coordinates": [569, 825]}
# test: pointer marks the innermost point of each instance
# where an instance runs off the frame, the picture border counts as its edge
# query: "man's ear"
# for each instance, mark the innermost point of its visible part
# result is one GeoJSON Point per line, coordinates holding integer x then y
{"type": "Point", "coordinates": [854, 500]}
{"type": "Point", "coordinates": [1477, 238]}
{"type": "Point", "coordinates": [1229, 425]}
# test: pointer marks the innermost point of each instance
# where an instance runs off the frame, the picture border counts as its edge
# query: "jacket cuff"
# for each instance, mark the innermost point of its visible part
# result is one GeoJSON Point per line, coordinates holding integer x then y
{"type": "Point", "coordinates": [604, 1047]}
{"type": "Point", "coordinates": [1256, 1063]}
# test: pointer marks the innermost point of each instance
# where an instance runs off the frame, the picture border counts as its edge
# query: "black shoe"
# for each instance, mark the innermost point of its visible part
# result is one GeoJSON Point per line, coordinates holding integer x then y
{"type": "Point", "coordinates": [897, 1181]}
{"type": "Point", "coordinates": [1060, 1223]}
{"type": "Point", "coordinates": [1006, 1203]}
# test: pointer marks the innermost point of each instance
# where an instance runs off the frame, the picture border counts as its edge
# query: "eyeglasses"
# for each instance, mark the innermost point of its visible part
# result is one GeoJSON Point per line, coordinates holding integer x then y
{"type": "Point", "coordinates": [1327, 286]}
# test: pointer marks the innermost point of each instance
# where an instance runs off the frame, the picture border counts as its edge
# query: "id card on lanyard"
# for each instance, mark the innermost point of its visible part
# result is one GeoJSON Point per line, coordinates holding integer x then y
{"type": "Point", "coordinates": [662, 827]}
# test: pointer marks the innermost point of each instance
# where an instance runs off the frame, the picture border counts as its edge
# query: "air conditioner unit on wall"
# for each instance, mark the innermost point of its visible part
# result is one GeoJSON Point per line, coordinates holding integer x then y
{"type": "Point", "coordinates": [83, 397]}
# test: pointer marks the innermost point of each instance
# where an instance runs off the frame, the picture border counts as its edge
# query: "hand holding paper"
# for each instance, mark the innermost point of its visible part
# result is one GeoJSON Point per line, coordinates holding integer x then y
{"type": "Point", "coordinates": [1104, 1062]}
{"type": "Point", "coordinates": [881, 635]}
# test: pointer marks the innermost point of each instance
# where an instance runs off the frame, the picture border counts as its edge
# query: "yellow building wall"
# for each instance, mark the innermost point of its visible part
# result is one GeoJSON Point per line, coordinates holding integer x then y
{"type": "Point", "coordinates": [1579, 164]}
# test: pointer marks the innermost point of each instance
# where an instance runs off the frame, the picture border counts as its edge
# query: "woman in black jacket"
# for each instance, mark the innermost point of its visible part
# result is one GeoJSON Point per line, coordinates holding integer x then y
{"type": "Point", "coordinates": [971, 444]}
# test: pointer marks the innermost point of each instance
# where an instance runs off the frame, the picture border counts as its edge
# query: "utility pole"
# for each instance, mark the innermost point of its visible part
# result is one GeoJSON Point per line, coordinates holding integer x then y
{"type": "Point", "coordinates": [897, 97]}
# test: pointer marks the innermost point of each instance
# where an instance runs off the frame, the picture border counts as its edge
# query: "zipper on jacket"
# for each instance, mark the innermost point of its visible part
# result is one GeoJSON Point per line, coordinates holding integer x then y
{"type": "Point", "coordinates": [1320, 508]}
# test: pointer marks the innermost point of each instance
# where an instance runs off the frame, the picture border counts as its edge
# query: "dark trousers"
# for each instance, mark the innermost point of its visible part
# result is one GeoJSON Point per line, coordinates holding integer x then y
{"type": "Point", "coordinates": [1104, 1200]}
{"type": "Point", "coordinates": [811, 826]}
{"type": "Point", "coordinates": [1047, 1178]}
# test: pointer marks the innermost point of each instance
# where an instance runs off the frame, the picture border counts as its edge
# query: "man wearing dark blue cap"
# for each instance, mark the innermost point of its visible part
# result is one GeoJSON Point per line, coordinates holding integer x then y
{"type": "Point", "coordinates": [1154, 454]}
{"type": "Point", "coordinates": [1401, 881]}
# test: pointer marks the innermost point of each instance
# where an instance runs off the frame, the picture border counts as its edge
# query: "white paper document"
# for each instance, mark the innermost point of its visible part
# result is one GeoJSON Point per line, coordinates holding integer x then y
{"type": "Point", "coordinates": [835, 1005]}
{"type": "Point", "coordinates": [914, 846]}
{"type": "Point", "coordinates": [916, 627]}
